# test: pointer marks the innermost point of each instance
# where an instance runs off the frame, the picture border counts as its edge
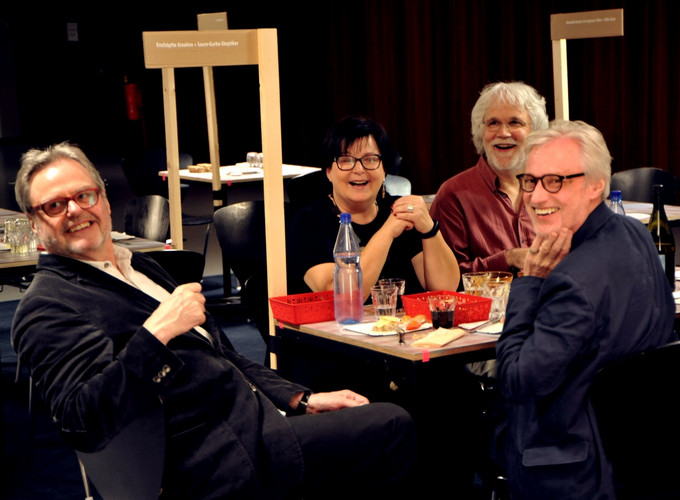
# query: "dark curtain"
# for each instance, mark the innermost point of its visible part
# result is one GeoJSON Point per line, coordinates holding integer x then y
{"type": "Point", "coordinates": [417, 66]}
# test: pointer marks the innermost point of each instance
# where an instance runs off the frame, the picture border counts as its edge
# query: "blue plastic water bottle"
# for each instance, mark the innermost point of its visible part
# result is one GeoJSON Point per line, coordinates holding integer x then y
{"type": "Point", "coordinates": [347, 278]}
{"type": "Point", "coordinates": [616, 203]}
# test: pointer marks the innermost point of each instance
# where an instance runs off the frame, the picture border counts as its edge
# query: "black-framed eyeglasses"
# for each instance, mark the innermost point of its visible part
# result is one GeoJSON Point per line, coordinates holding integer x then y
{"type": "Point", "coordinates": [87, 198]}
{"type": "Point", "coordinates": [369, 162]}
{"type": "Point", "coordinates": [552, 183]}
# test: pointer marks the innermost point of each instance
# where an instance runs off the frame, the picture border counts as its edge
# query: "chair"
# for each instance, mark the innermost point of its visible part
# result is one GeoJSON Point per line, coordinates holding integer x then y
{"type": "Point", "coordinates": [148, 217]}
{"type": "Point", "coordinates": [185, 266]}
{"type": "Point", "coordinates": [636, 184]}
{"type": "Point", "coordinates": [142, 175]}
{"type": "Point", "coordinates": [636, 409]}
{"type": "Point", "coordinates": [240, 231]}
{"type": "Point", "coordinates": [131, 464]}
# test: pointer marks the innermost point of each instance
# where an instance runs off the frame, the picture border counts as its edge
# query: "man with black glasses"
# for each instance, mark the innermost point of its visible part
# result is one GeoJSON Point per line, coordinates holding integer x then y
{"type": "Point", "coordinates": [593, 291]}
{"type": "Point", "coordinates": [108, 337]}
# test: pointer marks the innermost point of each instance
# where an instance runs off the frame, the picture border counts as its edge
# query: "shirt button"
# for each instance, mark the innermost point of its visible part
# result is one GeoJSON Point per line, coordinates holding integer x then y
{"type": "Point", "coordinates": [165, 370]}
{"type": "Point", "coordinates": [157, 379]}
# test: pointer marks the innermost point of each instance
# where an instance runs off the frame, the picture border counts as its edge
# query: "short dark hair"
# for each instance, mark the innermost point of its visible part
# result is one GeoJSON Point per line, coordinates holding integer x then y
{"type": "Point", "coordinates": [342, 134]}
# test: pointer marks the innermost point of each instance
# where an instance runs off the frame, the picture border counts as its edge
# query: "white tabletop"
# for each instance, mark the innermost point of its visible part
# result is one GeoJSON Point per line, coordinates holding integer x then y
{"type": "Point", "coordinates": [240, 172]}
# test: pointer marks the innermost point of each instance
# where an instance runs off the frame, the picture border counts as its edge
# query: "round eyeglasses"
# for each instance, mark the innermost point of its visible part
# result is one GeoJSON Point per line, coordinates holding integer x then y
{"type": "Point", "coordinates": [495, 125]}
{"type": "Point", "coordinates": [86, 198]}
{"type": "Point", "coordinates": [369, 162]}
{"type": "Point", "coordinates": [552, 183]}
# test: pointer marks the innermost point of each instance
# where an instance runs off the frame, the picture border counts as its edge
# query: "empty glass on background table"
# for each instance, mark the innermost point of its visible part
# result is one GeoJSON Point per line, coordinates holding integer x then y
{"type": "Point", "coordinates": [384, 300]}
{"type": "Point", "coordinates": [20, 236]}
{"type": "Point", "coordinates": [442, 310]}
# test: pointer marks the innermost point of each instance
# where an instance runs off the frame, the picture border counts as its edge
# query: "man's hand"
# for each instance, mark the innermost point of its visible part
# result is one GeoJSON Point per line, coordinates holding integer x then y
{"type": "Point", "coordinates": [329, 401]}
{"type": "Point", "coordinates": [546, 252]}
{"type": "Point", "coordinates": [178, 314]}
{"type": "Point", "coordinates": [515, 257]}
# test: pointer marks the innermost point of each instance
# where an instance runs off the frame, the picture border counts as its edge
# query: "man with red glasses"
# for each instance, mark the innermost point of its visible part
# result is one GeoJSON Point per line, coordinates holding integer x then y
{"type": "Point", "coordinates": [108, 336]}
{"type": "Point", "coordinates": [593, 291]}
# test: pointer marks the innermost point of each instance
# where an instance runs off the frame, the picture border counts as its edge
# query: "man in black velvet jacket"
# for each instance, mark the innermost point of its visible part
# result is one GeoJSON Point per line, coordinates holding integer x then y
{"type": "Point", "coordinates": [108, 336]}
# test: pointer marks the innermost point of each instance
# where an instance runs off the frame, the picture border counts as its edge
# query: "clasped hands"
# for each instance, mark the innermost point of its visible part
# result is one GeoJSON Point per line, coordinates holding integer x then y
{"type": "Point", "coordinates": [412, 213]}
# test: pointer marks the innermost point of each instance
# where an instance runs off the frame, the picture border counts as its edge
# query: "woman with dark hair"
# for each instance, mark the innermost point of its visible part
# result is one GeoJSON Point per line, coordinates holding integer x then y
{"type": "Point", "coordinates": [397, 236]}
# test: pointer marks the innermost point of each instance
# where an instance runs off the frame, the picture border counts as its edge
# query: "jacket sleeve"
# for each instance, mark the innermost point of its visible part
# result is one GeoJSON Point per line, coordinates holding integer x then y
{"type": "Point", "coordinates": [91, 392]}
{"type": "Point", "coordinates": [542, 336]}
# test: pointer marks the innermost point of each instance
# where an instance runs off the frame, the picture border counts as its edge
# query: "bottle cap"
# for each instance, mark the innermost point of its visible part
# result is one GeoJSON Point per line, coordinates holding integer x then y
{"type": "Point", "coordinates": [345, 218]}
{"type": "Point", "coordinates": [615, 195]}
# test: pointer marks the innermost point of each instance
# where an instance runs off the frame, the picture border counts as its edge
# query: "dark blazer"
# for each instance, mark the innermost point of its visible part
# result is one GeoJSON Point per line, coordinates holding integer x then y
{"type": "Point", "coordinates": [80, 332]}
{"type": "Point", "coordinates": [608, 298]}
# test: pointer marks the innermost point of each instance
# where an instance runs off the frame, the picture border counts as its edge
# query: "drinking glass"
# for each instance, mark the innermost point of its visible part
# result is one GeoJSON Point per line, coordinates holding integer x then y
{"type": "Point", "coordinates": [442, 308]}
{"type": "Point", "coordinates": [384, 300]}
{"type": "Point", "coordinates": [20, 237]}
{"type": "Point", "coordinates": [473, 283]}
{"type": "Point", "coordinates": [399, 283]}
{"type": "Point", "coordinates": [498, 291]}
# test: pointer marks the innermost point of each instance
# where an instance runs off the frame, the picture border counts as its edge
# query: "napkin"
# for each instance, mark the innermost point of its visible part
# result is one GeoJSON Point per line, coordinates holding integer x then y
{"type": "Point", "coordinates": [439, 338]}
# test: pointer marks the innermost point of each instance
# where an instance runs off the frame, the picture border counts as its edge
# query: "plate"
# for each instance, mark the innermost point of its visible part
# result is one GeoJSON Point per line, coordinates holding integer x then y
{"type": "Point", "coordinates": [366, 329]}
{"type": "Point", "coordinates": [117, 236]}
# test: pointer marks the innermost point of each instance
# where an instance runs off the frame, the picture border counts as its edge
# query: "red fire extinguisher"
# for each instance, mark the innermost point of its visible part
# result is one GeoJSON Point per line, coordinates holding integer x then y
{"type": "Point", "coordinates": [133, 100]}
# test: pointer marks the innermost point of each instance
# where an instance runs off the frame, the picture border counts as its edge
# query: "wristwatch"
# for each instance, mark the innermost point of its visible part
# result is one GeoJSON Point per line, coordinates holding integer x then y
{"type": "Point", "coordinates": [302, 405]}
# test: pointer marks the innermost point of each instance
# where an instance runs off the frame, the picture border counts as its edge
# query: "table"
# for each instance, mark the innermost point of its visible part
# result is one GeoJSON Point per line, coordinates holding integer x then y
{"type": "Point", "coordinates": [433, 385]}
{"type": "Point", "coordinates": [15, 269]}
{"type": "Point", "coordinates": [239, 173]}
{"type": "Point", "coordinates": [642, 211]}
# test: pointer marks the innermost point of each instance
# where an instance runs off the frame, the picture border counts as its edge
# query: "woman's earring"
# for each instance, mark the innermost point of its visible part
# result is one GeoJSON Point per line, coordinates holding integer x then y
{"type": "Point", "coordinates": [383, 189]}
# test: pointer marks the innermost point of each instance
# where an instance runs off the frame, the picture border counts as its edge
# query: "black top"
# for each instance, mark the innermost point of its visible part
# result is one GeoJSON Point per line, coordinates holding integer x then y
{"type": "Point", "coordinates": [312, 237]}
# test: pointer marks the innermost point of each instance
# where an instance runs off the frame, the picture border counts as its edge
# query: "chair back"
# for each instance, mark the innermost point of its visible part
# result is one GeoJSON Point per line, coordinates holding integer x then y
{"type": "Point", "coordinates": [141, 171]}
{"type": "Point", "coordinates": [148, 217]}
{"type": "Point", "coordinates": [185, 266]}
{"type": "Point", "coordinates": [636, 409]}
{"type": "Point", "coordinates": [241, 235]}
{"type": "Point", "coordinates": [636, 184]}
{"type": "Point", "coordinates": [131, 465]}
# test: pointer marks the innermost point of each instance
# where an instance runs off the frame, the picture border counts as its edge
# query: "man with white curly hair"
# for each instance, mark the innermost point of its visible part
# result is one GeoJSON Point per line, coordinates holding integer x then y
{"type": "Point", "coordinates": [480, 210]}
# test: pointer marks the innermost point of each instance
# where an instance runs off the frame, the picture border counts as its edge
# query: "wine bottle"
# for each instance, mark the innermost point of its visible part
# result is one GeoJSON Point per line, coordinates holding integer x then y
{"type": "Point", "coordinates": [662, 234]}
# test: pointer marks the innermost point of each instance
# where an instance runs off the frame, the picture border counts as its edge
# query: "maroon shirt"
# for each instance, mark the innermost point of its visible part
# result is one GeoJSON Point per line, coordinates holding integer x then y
{"type": "Point", "coordinates": [478, 221]}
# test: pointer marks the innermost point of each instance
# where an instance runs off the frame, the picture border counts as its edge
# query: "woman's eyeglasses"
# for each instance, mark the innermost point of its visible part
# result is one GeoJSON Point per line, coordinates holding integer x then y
{"type": "Point", "coordinates": [369, 162]}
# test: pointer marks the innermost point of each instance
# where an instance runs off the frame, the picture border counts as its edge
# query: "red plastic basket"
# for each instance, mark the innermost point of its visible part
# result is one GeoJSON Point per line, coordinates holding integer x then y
{"type": "Point", "coordinates": [469, 308]}
{"type": "Point", "coordinates": [304, 308]}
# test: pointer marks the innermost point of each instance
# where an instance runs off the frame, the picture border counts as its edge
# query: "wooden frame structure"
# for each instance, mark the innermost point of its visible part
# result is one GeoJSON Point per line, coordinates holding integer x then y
{"type": "Point", "coordinates": [591, 24]}
{"type": "Point", "coordinates": [168, 50]}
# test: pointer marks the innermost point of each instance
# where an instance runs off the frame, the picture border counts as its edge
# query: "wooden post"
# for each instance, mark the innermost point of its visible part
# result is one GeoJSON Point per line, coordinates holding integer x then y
{"type": "Point", "coordinates": [206, 49]}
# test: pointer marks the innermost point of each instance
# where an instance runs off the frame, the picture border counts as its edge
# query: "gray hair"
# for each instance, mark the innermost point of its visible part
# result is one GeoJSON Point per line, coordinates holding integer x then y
{"type": "Point", "coordinates": [514, 93]}
{"type": "Point", "coordinates": [34, 160]}
{"type": "Point", "coordinates": [595, 158]}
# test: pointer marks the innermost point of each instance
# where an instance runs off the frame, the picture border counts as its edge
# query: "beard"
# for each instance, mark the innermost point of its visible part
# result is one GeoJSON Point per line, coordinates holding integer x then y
{"type": "Point", "coordinates": [513, 164]}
